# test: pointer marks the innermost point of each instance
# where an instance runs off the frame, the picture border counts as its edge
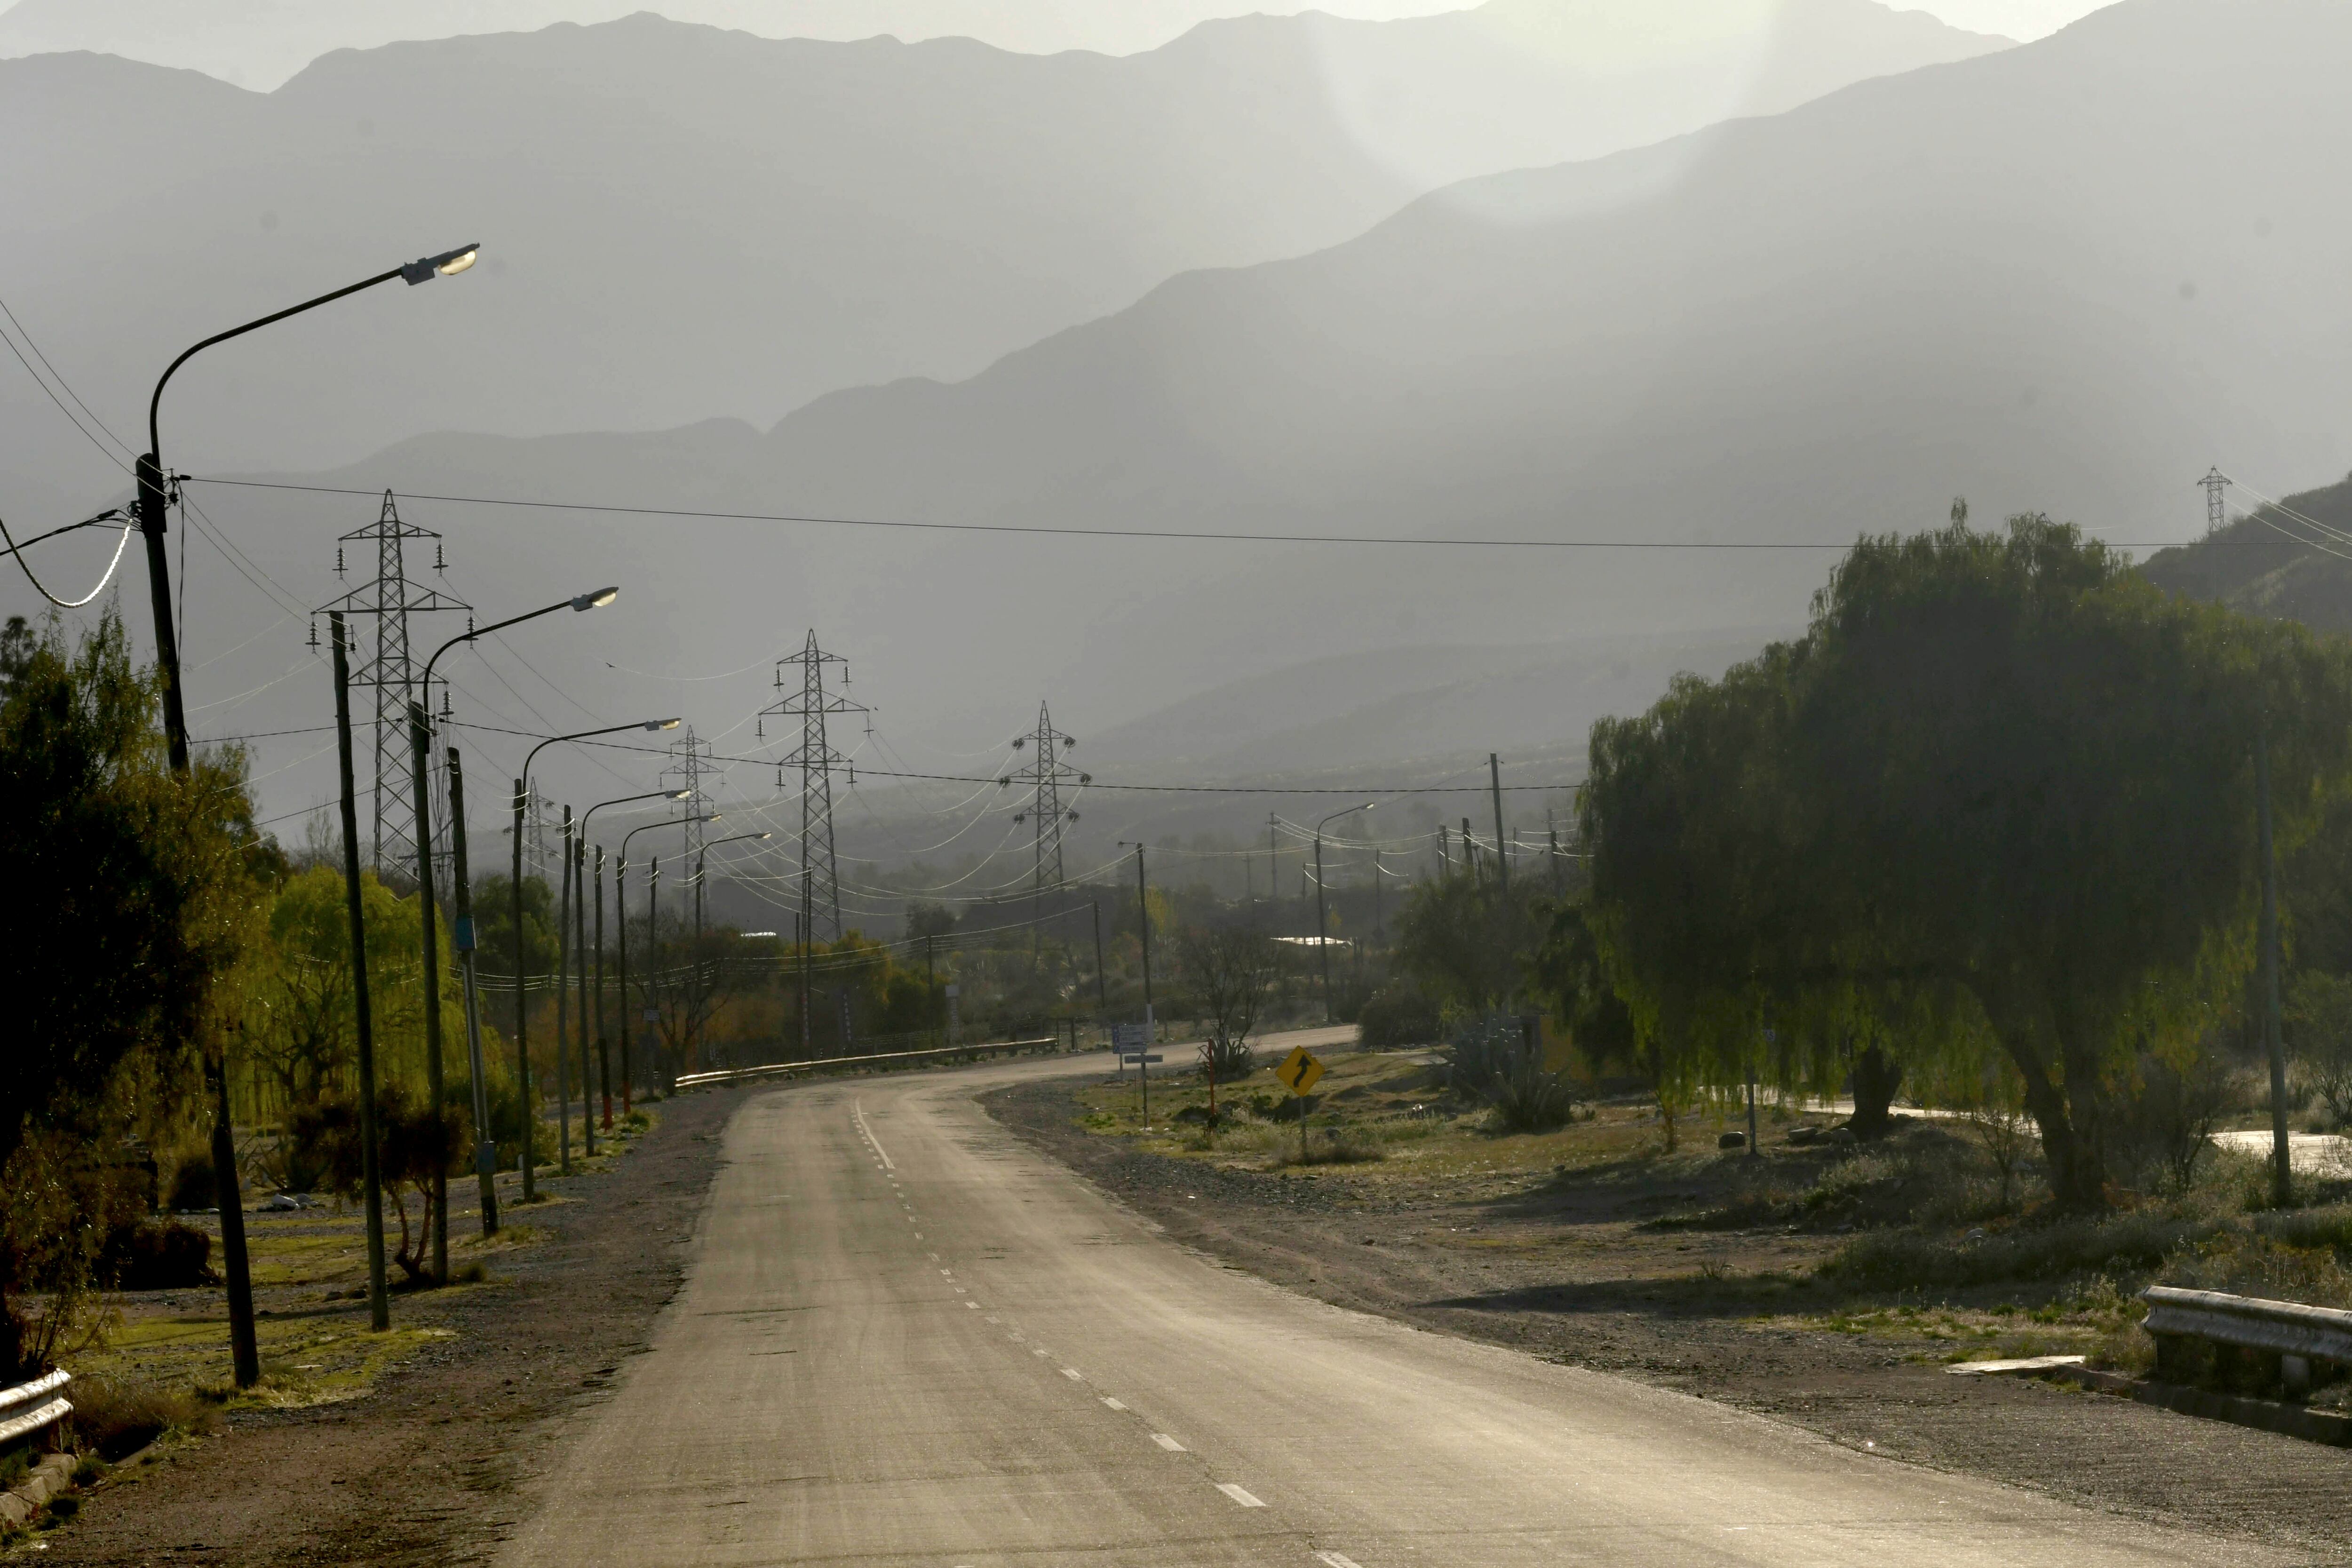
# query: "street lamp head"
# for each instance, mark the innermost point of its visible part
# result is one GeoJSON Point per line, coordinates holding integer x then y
{"type": "Point", "coordinates": [448, 264]}
{"type": "Point", "coordinates": [679, 793]}
{"type": "Point", "coordinates": [597, 600]}
{"type": "Point", "coordinates": [765, 837]}
{"type": "Point", "coordinates": [662, 724]}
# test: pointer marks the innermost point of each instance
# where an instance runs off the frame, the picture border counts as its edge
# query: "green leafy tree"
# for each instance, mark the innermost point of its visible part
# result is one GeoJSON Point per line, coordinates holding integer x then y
{"type": "Point", "coordinates": [2001, 784]}
{"type": "Point", "coordinates": [1465, 943]}
{"type": "Point", "coordinates": [139, 889]}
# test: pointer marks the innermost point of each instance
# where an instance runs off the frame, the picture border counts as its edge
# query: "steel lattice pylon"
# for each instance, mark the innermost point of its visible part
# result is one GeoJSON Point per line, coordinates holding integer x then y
{"type": "Point", "coordinates": [816, 759]}
{"type": "Point", "coordinates": [691, 767]}
{"type": "Point", "coordinates": [1045, 775]}
{"type": "Point", "coordinates": [2216, 485]}
{"type": "Point", "coordinates": [391, 598]}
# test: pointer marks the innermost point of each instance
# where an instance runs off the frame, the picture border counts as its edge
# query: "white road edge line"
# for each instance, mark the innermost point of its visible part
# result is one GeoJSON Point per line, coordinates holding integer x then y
{"type": "Point", "coordinates": [858, 1109]}
{"type": "Point", "coordinates": [1170, 1444]}
{"type": "Point", "coordinates": [1333, 1559]}
{"type": "Point", "coordinates": [1238, 1495]}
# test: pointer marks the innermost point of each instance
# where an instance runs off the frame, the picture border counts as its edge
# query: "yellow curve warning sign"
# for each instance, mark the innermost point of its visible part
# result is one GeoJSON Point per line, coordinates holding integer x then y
{"type": "Point", "coordinates": [1299, 1070]}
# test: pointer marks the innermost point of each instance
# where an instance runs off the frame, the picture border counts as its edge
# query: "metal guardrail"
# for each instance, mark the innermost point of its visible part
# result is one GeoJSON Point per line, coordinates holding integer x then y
{"type": "Point", "coordinates": [743, 1075]}
{"type": "Point", "coordinates": [30, 1406]}
{"type": "Point", "coordinates": [2296, 1334]}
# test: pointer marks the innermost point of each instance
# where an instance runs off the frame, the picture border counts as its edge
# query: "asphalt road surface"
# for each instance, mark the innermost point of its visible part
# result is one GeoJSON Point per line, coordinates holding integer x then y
{"type": "Point", "coordinates": [906, 1339]}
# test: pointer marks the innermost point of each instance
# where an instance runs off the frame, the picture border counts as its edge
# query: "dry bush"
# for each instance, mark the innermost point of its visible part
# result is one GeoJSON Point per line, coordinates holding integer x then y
{"type": "Point", "coordinates": [115, 1419]}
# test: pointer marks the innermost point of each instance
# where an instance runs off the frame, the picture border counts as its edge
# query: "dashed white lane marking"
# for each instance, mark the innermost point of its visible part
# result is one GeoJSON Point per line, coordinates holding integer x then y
{"type": "Point", "coordinates": [932, 1256]}
{"type": "Point", "coordinates": [1238, 1495]}
{"type": "Point", "coordinates": [1170, 1444]}
{"type": "Point", "coordinates": [859, 1111]}
{"type": "Point", "coordinates": [959, 1289]}
{"type": "Point", "coordinates": [973, 1305]}
{"type": "Point", "coordinates": [919, 1236]}
{"type": "Point", "coordinates": [1114, 1403]}
{"type": "Point", "coordinates": [947, 1273]}
{"type": "Point", "coordinates": [1333, 1559]}
{"type": "Point", "coordinates": [1073, 1374]}
{"type": "Point", "coordinates": [1038, 1350]}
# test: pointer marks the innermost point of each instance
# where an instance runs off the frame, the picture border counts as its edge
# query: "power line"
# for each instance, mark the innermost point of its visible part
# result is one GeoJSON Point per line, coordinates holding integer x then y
{"type": "Point", "coordinates": [1209, 536]}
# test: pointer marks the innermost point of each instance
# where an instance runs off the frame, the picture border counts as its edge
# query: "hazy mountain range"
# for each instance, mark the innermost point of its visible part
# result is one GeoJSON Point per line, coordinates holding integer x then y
{"type": "Point", "coordinates": [260, 43]}
{"type": "Point", "coordinates": [2068, 276]}
{"type": "Point", "coordinates": [683, 223]}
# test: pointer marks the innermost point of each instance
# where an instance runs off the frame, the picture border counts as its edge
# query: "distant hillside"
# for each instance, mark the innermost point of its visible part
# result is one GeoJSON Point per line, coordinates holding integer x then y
{"type": "Point", "coordinates": [2258, 564]}
{"type": "Point", "coordinates": [683, 223]}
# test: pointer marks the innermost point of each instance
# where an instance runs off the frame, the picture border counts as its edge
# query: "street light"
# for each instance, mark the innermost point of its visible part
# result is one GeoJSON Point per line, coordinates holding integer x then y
{"type": "Point", "coordinates": [695, 1056]}
{"type": "Point", "coordinates": [1322, 924]}
{"type": "Point", "coordinates": [420, 740]}
{"type": "Point", "coordinates": [603, 1055]}
{"type": "Point", "coordinates": [522, 1052]}
{"type": "Point", "coordinates": [699, 856]}
{"type": "Point", "coordinates": [149, 474]}
{"type": "Point", "coordinates": [621, 910]}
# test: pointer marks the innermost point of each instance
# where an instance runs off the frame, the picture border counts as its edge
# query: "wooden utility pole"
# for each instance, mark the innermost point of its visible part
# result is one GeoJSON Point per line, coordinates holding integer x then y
{"type": "Point", "coordinates": [362, 1006]}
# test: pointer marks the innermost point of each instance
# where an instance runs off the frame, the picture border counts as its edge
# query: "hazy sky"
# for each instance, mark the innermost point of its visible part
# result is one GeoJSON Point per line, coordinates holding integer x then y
{"type": "Point", "coordinates": [2019, 19]}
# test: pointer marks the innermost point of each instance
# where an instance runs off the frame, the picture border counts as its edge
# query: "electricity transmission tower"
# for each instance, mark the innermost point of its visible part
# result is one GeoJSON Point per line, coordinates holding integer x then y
{"type": "Point", "coordinates": [805, 698]}
{"type": "Point", "coordinates": [688, 770]}
{"type": "Point", "coordinates": [2217, 507]}
{"type": "Point", "coordinates": [391, 598]}
{"type": "Point", "coordinates": [1045, 775]}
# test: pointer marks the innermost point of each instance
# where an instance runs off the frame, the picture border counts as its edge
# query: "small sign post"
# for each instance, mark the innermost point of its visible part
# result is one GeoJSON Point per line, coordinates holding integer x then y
{"type": "Point", "coordinates": [1299, 1072]}
{"type": "Point", "coordinates": [1133, 1044]}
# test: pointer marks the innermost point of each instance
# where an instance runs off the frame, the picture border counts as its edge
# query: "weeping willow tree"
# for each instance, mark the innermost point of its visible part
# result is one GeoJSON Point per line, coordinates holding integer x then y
{"type": "Point", "coordinates": [1999, 797]}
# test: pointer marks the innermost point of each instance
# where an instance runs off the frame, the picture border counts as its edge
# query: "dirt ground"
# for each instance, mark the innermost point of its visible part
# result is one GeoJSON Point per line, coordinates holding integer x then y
{"type": "Point", "coordinates": [1572, 1263]}
{"type": "Point", "coordinates": [423, 1467]}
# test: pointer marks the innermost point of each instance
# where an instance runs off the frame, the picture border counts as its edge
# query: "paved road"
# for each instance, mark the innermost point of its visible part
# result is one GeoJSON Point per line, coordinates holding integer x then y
{"type": "Point", "coordinates": [907, 1340]}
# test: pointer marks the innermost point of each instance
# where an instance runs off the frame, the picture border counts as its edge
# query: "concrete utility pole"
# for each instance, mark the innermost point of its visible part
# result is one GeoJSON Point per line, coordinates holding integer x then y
{"type": "Point", "coordinates": [562, 1031]}
{"type": "Point", "coordinates": [1273, 865]}
{"type": "Point", "coordinates": [486, 1147]}
{"type": "Point", "coordinates": [1102, 986]}
{"type": "Point", "coordinates": [604, 1045]}
{"type": "Point", "coordinates": [2282, 1185]}
{"type": "Point", "coordinates": [363, 1005]}
{"type": "Point", "coordinates": [1143, 921]}
{"type": "Point", "coordinates": [579, 947]}
{"type": "Point", "coordinates": [1502, 844]}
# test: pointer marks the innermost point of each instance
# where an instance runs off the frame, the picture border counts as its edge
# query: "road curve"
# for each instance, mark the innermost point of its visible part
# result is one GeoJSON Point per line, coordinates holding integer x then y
{"type": "Point", "coordinates": [906, 1339]}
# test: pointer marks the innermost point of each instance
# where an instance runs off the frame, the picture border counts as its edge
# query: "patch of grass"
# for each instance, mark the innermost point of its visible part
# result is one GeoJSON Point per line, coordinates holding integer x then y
{"type": "Point", "coordinates": [1344, 1147]}
{"type": "Point", "coordinates": [114, 1419]}
{"type": "Point", "coordinates": [1903, 1260]}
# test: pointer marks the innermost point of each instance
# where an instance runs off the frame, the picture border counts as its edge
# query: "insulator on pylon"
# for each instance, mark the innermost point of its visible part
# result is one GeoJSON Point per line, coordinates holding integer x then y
{"type": "Point", "coordinates": [440, 562]}
{"type": "Point", "coordinates": [1019, 741]}
{"type": "Point", "coordinates": [314, 633]}
{"type": "Point", "coordinates": [780, 775]}
{"type": "Point", "coordinates": [761, 727]}
{"type": "Point", "coordinates": [338, 560]}
{"type": "Point", "coordinates": [445, 702]}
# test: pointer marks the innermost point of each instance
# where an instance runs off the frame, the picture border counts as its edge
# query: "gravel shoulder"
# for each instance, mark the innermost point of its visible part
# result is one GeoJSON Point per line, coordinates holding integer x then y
{"type": "Point", "coordinates": [1565, 1267]}
{"type": "Point", "coordinates": [426, 1466]}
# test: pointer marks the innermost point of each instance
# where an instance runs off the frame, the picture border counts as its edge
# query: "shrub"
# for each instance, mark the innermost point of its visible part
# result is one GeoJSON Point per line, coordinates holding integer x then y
{"type": "Point", "coordinates": [116, 1419]}
{"type": "Point", "coordinates": [144, 1256]}
{"type": "Point", "coordinates": [1897, 1260]}
{"type": "Point", "coordinates": [1397, 1016]}
{"type": "Point", "coordinates": [1230, 1060]}
{"type": "Point", "coordinates": [193, 1188]}
{"type": "Point", "coordinates": [1526, 1099]}
{"type": "Point", "coordinates": [1485, 1050]}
